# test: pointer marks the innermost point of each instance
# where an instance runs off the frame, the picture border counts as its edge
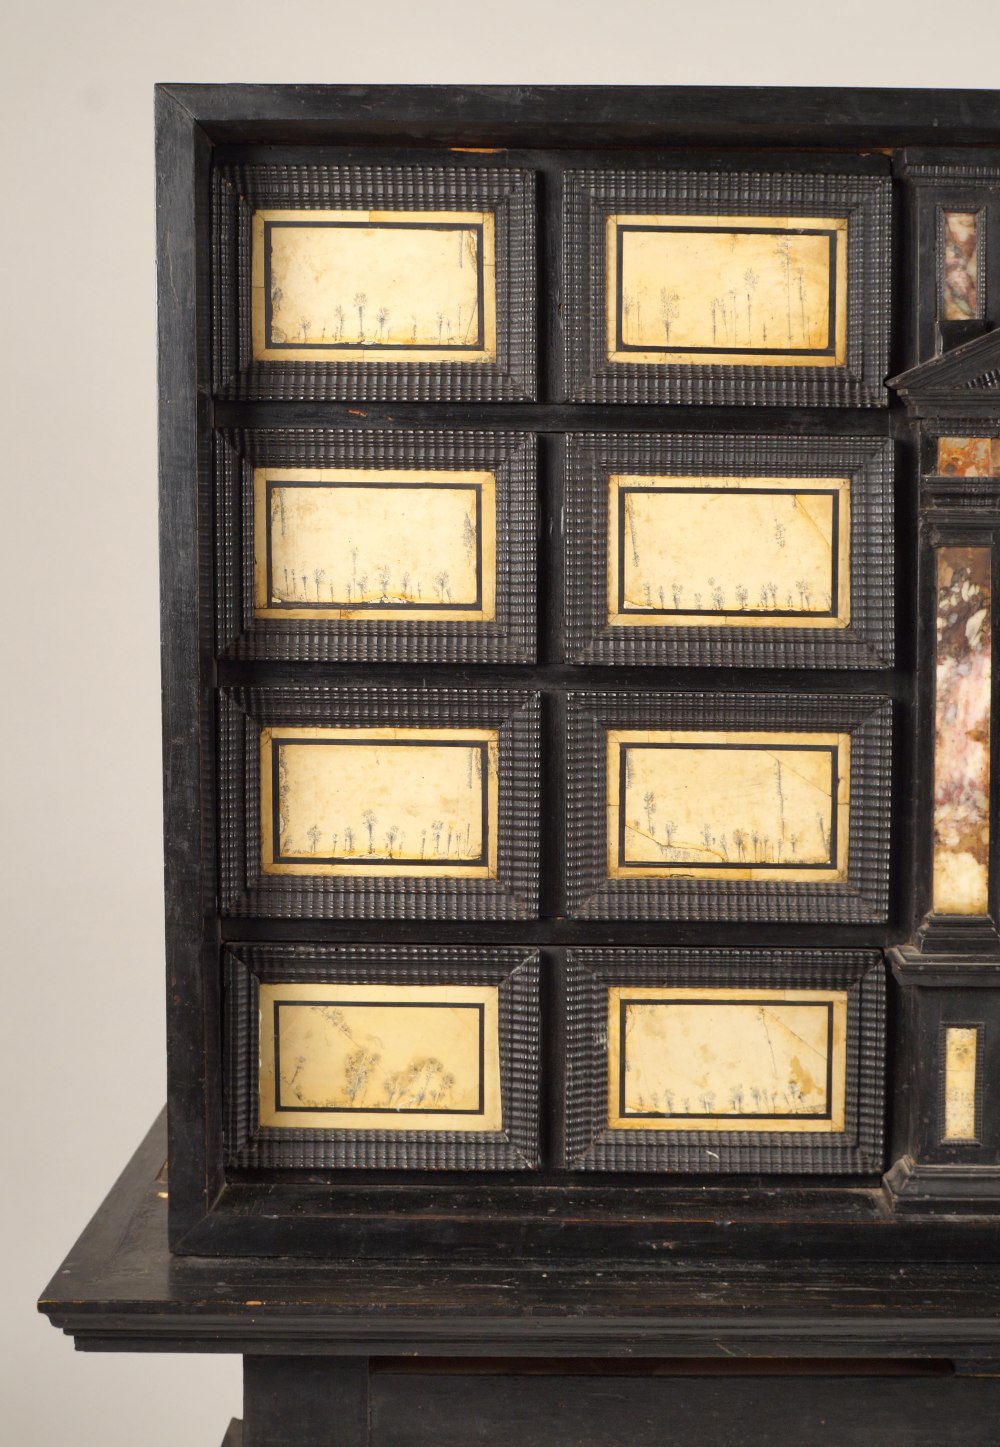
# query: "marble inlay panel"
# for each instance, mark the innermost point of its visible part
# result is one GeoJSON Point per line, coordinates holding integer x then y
{"type": "Point", "coordinates": [960, 266]}
{"type": "Point", "coordinates": [969, 456]}
{"type": "Point", "coordinates": [962, 732]}
{"type": "Point", "coordinates": [961, 1051]}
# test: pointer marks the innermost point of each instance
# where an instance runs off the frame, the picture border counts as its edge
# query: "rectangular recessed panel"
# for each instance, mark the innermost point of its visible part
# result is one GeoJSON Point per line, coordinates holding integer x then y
{"type": "Point", "coordinates": [379, 801]}
{"type": "Point", "coordinates": [345, 543]}
{"type": "Point", "coordinates": [960, 266]}
{"type": "Point", "coordinates": [961, 1063]}
{"type": "Point", "coordinates": [727, 290]}
{"type": "Point", "coordinates": [726, 1059]}
{"type": "Point", "coordinates": [379, 1057]}
{"type": "Point", "coordinates": [395, 286]}
{"type": "Point", "coordinates": [727, 805]}
{"type": "Point", "coordinates": [729, 551]}
{"type": "Point", "coordinates": [962, 731]}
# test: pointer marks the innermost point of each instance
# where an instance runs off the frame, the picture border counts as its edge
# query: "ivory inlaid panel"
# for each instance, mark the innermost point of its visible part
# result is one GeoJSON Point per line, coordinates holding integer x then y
{"type": "Point", "coordinates": [343, 543]}
{"type": "Point", "coordinates": [707, 804]}
{"type": "Point", "coordinates": [395, 286]}
{"type": "Point", "coordinates": [727, 290]}
{"type": "Point", "coordinates": [960, 266]}
{"type": "Point", "coordinates": [729, 551]}
{"type": "Point", "coordinates": [380, 1057]}
{"type": "Point", "coordinates": [379, 801]}
{"type": "Point", "coordinates": [961, 1052]}
{"type": "Point", "coordinates": [962, 732]}
{"type": "Point", "coordinates": [727, 1059]}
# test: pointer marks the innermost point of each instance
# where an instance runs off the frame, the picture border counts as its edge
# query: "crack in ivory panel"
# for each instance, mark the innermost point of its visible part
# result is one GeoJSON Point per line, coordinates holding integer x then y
{"type": "Point", "coordinates": [750, 805]}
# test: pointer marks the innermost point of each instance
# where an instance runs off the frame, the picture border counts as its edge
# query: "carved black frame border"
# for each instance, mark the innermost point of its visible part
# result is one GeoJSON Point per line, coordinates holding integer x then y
{"type": "Point", "coordinates": [868, 640]}
{"type": "Point", "coordinates": [508, 638]}
{"type": "Point", "coordinates": [862, 898]}
{"type": "Point", "coordinates": [591, 1145]}
{"type": "Point", "coordinates": [591, 196]}
{"type": "Point", "coordinates": [516, 972]}
{"type": "Point", "coordinates": [246, 890]}
{"type": "Point", "coordinates": [239, 190]}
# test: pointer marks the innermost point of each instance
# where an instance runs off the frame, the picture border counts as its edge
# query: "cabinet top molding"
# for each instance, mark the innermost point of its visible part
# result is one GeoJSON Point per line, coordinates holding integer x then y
{"type": "Point", "coordinates": [555, 115]}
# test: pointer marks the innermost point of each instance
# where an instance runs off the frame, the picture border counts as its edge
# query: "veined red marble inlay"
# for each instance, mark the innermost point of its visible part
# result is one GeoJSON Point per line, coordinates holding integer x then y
{"type": "Point", "coordinates": [960, 278]}
{"type": "Point", "coordinates": [962, 732]}
{"type": "Point", "coordinates": [968, 456]}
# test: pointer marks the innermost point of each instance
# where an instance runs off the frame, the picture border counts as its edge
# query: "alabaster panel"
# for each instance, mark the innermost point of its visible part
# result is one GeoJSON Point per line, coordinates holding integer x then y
{"type": "Point", "coordinates": [402, 546]}
{"type": "Point", "coordinates": [366, 1056]}
{"type": "Point", "coordinates": [380, 802]}
{"type": "Point", "coordinates": [734, 549]}
{"type": "Point", "coordinates": [725, 806]}
{"type": "Point", "coordinates": [962, 1086]}
{"type": "Point", "coordinates": [375, 282]}
{"type": "Point", "coordinates": [720, 286]}
{"type": "Point", "coordinates": [724, 1060]}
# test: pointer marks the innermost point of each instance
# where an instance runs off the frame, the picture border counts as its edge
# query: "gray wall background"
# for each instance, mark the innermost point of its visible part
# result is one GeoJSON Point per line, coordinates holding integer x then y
{"type": "Point", "coordinates": [82, 994]}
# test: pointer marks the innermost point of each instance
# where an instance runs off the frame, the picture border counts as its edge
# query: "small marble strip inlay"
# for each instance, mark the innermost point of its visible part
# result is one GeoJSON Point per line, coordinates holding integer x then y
{"type": "Point", "coordinates": [960, 266]}
{"type": "Point", "coordinates": [962, 732]}
{"type": "Point", "coordinates": [961, 1049]}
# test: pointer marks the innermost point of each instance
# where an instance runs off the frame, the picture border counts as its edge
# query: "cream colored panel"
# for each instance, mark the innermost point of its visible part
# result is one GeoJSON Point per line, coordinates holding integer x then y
{"type": "Point", "coordinates": [961, 1051]}
{"type": "Point", "coordinates": [727, 290]}
{"type": "Point", "coordinates": [727, 1059]}
{"type": "Point", "coordinates": [341, 543]}
{"type": "Point", "coordinates": [380, 1057]}
{"type": "Point", "coordinates": [734, 552]}
{"type": "Point", "coordinates": [379, 801]}
{"type": "Point", "coordinates": [390, 286]}
{"type": "Point", "coordinates": [704, 804]}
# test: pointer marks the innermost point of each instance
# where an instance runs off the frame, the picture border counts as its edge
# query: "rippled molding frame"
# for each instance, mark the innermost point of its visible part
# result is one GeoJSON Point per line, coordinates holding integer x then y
{"type": "Point", "coordinates": [592, 1146]}
{"type": "Point", "coordinates": [515, 973]}
{"type": "Point", "coordinates": [247, 890]}
{"type": "Point", "coordinates": [238, 191]}
{"type": "Point", "coordinates": [864, 198]}
{"type": "Point", "coordinates": [508, 638]}
{"type": "Point", "coordinates": [867, 642]}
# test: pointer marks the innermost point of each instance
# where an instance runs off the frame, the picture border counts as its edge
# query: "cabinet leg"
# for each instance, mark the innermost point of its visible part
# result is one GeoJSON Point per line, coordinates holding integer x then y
{"type": "Point", "coordinates": [305, 1401]}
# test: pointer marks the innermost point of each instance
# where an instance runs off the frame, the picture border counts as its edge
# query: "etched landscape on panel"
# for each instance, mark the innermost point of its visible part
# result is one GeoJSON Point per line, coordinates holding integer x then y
{"type": "Point", "coordinates": [744, 806]}
{"type": "Point", "coordinates": [727, 1059]}
{"type": "Point", "coordinates": [409, 285]}
{"type": "Point", "coordinates": [379, 801]}
{"type": "Point", "coordinates": [733, 289]}
{"type": "Point", "coordinates": [728, 551]}
{"type": "Point", "coordinates": [379, 1056]}
{"type": "Point", "coordinates": [344, 544]}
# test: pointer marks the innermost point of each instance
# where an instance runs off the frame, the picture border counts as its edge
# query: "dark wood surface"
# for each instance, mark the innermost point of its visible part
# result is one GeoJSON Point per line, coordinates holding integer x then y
{"type": "Point", "coordinates": [120, 1289]}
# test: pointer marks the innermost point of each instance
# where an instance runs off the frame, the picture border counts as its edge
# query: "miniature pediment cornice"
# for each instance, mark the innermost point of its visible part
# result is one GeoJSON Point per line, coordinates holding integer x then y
{"type": "Point", "coordinates": [964, 382]}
